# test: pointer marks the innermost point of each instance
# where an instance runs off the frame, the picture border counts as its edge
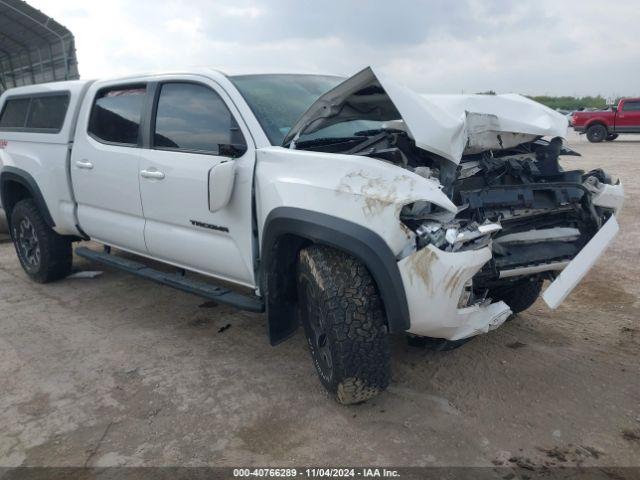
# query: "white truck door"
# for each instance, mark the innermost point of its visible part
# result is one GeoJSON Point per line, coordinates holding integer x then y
{"type": "Point", "coordinates": [105, 166]}
{"type": "Point", "coordinates": [196, 181]}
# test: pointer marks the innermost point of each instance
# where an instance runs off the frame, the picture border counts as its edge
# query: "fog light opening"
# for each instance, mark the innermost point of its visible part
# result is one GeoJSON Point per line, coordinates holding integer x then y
{"type": "Point", "coordinates": [466, 297]}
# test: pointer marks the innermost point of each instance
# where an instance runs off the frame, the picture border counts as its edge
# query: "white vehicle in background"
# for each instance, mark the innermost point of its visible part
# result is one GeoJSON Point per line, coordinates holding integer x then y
{"type": "Point", "coordinates": [355, 207]}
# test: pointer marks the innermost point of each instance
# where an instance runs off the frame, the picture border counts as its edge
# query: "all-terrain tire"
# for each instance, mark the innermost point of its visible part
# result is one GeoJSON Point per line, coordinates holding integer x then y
{"type": "Point", "coordinates": [596, 133]}
{"type": "Point", "coordinates": [344, 322]}
{"type": "Point", "coordinates": [519, 296]}
{"type": "Point", "coordinates": [44, 255]}
{"type": "Point", "coordinates": [611, 137]}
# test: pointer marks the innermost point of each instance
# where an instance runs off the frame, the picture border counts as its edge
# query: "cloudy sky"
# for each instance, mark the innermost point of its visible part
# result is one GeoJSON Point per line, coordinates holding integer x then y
{"type": "Point", "coordinates": [572, 47]}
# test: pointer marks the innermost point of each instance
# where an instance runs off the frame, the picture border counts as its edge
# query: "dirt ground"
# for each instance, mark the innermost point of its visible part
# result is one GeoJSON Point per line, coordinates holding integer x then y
{"type": "Point", "coordinates": [116, 370]}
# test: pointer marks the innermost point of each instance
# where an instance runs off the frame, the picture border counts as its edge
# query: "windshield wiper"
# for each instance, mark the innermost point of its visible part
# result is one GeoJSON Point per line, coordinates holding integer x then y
{"type": "Point", "coordinates": [375, 131]}
{"type": "Point", "coordinates": [368, 142]}
{"type": "Point", "coordinates": [327, 141]}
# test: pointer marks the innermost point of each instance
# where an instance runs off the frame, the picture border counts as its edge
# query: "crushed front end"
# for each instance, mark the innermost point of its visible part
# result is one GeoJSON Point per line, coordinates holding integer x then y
{"type": "Point", "coordinates": [508, 216]}
{"type": "Point", "coordinates": [521, 220]}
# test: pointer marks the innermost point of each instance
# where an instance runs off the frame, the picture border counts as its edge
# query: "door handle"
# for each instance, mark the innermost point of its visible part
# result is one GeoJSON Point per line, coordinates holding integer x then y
{"type": "Point", "coordinates": [86, 164]}
{"type": "Point", "coordinates": [155, 174]}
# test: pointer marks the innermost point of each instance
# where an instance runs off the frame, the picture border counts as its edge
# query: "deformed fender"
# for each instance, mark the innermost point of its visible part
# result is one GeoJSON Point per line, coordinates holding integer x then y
{"type": "Point", "coordinates": [13, 174]}
{"type": "Point", "coordinates": [287, 229]}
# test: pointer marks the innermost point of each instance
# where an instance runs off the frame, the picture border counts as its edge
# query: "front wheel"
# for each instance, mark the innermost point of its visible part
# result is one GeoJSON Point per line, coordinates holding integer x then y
{"type": "Point", "coordinates": [344, 322]}
{"type": "Point", "coordinates": [44, 255]}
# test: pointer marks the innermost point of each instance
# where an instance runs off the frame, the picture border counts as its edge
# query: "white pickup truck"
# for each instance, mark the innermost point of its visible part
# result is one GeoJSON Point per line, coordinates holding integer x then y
{"type": "Point", "coordinates": [354, 207]}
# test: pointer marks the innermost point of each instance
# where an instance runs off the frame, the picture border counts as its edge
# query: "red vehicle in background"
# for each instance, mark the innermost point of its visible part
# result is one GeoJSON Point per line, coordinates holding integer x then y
{"type": "Point", "coordinates": [602, 125]}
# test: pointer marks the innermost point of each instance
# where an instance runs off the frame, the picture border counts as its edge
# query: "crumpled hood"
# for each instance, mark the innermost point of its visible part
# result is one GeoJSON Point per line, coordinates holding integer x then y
{"type": "Point", "coordinates": [514, 118]}
{"type": "Point", "coordinates": [447, 125]}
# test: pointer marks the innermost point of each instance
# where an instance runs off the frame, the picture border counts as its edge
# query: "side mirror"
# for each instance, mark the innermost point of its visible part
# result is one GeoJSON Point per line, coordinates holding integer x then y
{"type": "Point", "coordinates": [614, 108]}
{"type": "Point", "coordinates": [221, 180]}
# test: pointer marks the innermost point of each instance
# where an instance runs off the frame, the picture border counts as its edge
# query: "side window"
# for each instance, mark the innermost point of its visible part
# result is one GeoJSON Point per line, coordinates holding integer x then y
{"type": "Point", "coordinates": [39, 112]}
{"type": "Point", "coordinates": [193, 118]}
{"type": "Point", "coordinates": [631, 106]}
{"type": "Point", "coordinates": [115, 116]}
{"type": "Point", "coordinates": [14, 113]}
{"type": "Point", "coordinates": [47, 112]}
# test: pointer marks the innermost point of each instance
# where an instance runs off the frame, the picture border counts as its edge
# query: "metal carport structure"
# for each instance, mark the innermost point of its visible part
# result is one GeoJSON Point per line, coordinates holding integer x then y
{"type": "Point", "coordinates": [34, 48]}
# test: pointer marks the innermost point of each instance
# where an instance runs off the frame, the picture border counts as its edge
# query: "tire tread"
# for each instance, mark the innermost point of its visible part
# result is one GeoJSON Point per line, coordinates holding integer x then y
{"type": "Point", "coordinates": [55, 250]}
{"type": "Point", "coordinates": [351, 300]}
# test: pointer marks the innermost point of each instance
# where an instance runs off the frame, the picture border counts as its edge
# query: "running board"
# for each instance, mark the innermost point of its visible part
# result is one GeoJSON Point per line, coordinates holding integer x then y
{"type": "Point", "coordinates": [201, 289]}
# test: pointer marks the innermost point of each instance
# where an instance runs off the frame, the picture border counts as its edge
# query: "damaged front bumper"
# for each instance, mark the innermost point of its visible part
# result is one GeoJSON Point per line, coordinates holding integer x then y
{"type": "Point", "coordinates": [435, 282]}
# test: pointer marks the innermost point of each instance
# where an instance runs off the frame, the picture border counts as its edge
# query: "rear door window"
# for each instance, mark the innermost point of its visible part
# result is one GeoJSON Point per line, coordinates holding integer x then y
{"type": "Point", "coordinates": [116, 114]}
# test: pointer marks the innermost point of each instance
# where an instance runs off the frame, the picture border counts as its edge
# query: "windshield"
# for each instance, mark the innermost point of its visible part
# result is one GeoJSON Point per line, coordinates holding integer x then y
{"type": "Point", "coordinates": [279, 100]}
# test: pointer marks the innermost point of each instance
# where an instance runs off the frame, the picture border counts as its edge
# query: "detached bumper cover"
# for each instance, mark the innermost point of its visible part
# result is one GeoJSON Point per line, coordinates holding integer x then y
{"type": "Point", "coordinates": [562, 286]}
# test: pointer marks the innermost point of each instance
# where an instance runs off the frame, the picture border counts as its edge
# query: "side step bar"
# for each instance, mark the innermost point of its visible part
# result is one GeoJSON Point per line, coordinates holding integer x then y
{"type": "Point", "coordinates": [201, 289]}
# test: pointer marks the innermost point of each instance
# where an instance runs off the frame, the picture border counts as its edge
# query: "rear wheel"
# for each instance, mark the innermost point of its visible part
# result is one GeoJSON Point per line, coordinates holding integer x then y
{"type": "Point", "coordinates": [44, 255]}
{"type": "Point", "coordinates": [519, 296]}
{"type": "Point", "coordinates": [596, 133]}
{"type": "Point", "coordinates": [611, 137]}
{"type": "Point", "coordinates": [344, 322]}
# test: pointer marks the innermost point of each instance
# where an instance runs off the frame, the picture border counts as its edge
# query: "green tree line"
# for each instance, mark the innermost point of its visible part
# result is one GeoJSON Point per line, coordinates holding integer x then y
{"type": "Point", "coordinates": [571, 103]}
{"type": "Point", "coordinates": [567, 102]}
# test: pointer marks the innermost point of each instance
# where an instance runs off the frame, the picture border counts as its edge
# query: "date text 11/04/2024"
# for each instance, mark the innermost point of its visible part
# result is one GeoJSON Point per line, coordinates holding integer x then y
{"type": "Point", "coordinates": [317, 472]}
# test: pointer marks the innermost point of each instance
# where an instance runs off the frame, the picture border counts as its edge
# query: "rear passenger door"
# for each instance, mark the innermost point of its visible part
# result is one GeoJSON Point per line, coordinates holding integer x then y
{"type": "Point", "coordinates": [193, 125]}
{"type": "Point", "coordinates": [105, 164]}
{"type": "Point", "coordinates": [628, 118]}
